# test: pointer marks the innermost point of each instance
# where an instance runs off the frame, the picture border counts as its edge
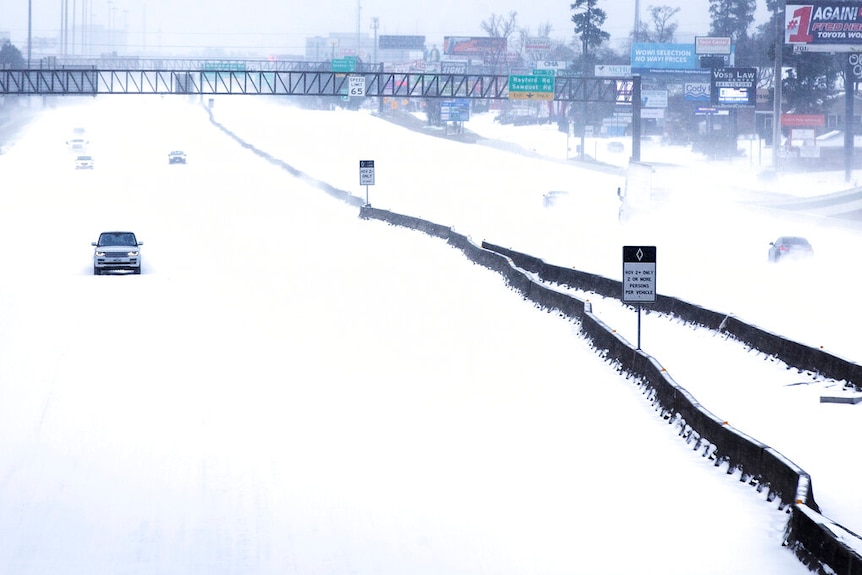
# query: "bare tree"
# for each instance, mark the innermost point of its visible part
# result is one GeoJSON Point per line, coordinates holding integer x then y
{"type": "Point", "coordinates": [499, 26]}
{"type": "Point", "coordinates": [659, 28]}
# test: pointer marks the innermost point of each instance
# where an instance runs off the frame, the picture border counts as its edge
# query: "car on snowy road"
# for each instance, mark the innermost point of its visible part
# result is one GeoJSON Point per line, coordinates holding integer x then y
{"type": "Point", "coordinates": [117, 251]}
{"type": "Point", "coordinates": [177, 157]}
{"type": "Point", "coordinates": [790, 248]}
{"type": "Point", "coordinates": [84, 163]}
{"type": "Point", "coordinates": [77, 144]}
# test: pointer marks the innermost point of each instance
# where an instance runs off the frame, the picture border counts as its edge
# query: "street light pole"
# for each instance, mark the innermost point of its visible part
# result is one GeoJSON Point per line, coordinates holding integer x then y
{"type": "Point", "coordinates": [375, 24]}
{"type": "Point", "coordinates": [29, 32]}
{"type": "Point", "coordinates": [358, 26]}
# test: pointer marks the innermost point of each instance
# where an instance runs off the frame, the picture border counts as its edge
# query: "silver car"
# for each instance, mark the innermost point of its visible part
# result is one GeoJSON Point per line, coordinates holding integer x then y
{"type": "Point", "coordinates": [117, 251]}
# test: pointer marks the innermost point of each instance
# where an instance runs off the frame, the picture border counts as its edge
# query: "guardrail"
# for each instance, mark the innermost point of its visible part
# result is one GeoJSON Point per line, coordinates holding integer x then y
{"type": "Point", "coordinates": [816, 540]}
{"type": "Point", "coordinates": [792, 353]}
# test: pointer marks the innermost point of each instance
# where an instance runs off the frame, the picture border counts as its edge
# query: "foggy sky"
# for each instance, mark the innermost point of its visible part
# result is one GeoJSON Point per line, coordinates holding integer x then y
{"type": "Point", "coordinates": [281, 27]}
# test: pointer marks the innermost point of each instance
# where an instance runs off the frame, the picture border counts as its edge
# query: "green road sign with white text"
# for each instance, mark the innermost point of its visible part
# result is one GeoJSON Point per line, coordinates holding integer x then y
{"type": "Point", "coordinates": [530, 87]}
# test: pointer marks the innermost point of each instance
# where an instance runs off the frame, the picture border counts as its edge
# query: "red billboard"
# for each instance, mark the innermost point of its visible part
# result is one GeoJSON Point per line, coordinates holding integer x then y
{"type": "Point", "coordinates": [803, 120]}
{"type": "Point", "coordinates": [824, 26]}
{"type": "Point", "coordinates": [473, 45]}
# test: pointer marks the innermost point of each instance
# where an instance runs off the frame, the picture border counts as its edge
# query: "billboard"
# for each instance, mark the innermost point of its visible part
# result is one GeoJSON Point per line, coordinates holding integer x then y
{"type": "Point", "coordinates": [823, 26]}
{"type": "Point", "coordinates": [473, 45]}
{"type": "Point", "coordinates": [603, 70]}
{"type": "Point", "coordinates": [401, 42]}
{"type": "Point", "coordinates": [713, 45]}
{"type": "Point", "coordinates": [696, 92]}
{"type": "Point", "coordinates": [537, 44]}
{"type": "Point", "coordinates": [664, 57]}
{"type": "Point", "coordinates": [733, 87]}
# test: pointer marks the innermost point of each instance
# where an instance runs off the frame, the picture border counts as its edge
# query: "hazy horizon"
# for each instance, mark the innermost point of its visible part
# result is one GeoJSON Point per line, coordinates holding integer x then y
{"type": "Point", "coordinates": [283, 27]}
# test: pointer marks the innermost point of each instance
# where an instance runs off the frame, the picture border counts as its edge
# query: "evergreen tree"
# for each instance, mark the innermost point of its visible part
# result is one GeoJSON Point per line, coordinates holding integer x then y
{"type": "Point", "coordinates": [588, 19]}
{"type": "Point", "coordinates": [811, 81]}
{"type": "Point", "coordinates": [731, 18]}
{"type": "Point", "coordinates": [10, 56]}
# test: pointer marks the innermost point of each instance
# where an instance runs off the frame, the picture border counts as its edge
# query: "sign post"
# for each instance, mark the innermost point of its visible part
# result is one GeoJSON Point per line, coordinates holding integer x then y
{"type": "Point", "coordinates": [639, 278]}
{"type": "Point", "coordinates": [366, 176]}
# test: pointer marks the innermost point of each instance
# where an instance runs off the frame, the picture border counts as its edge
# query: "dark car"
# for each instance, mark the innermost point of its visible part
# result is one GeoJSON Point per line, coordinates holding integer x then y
{"type": "Point", "coordinates": [790, 247]}
{"type": "Point", "coordinates": [117, 251]}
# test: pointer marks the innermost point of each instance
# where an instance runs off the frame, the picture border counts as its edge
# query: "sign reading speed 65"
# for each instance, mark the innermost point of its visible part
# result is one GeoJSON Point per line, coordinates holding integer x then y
{"type": "Point", "coordinates": [356, 85]}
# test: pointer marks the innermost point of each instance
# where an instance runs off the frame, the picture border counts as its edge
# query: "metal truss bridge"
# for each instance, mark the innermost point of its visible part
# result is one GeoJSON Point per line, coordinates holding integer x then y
{"type": "Point", "coordinates": [92, 82]}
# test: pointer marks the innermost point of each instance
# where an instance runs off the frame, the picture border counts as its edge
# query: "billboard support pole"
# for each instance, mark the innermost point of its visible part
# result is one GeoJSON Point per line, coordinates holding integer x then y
{"type": "Point", "coordinates": [849, 140]}
{"type": "Point", "coordinates": [636, 118]}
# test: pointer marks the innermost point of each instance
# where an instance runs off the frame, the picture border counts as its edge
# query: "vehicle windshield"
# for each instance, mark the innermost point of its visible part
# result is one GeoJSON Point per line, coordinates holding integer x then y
{"type": "Point", "coordinates": [118, 239]}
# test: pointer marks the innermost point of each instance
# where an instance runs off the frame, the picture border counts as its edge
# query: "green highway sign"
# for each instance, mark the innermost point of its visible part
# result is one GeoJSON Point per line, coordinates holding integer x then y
{"type": "Point", "coordinates": [531, 87]}
{"type": "Point", "coordinates": [224, 66]}
{"type": "Point", "coordinates": [343, 64]}
{"type": "Point", "coordinates": [544, 72]}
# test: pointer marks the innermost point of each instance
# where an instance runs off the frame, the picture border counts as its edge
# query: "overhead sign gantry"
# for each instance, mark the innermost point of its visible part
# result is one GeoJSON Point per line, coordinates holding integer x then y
{"type": "Point", "coordinates": [299, 83]}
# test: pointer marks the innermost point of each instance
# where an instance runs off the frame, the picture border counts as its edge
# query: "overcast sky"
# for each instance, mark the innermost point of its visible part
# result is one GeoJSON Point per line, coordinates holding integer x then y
{"type": "Point", "coordinates": [283, 26]}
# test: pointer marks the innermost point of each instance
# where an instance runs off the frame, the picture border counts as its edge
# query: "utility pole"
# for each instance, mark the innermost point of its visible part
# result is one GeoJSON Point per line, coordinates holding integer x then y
{"type": "Point", "coordinates": [358, 26]}
{"type": "Point", "coordinates": [375, 24]}
{"type": "Point", "coordinates": [586, 74]}
{"type": "Point", "coordinates": [777, 77]}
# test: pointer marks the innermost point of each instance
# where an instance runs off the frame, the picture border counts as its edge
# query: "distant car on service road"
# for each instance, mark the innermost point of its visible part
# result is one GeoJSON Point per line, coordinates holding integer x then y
{"type": "Point", "coordinates": [84, 163]}
{"type": "Point", "coordinates": [77, 144]}
{"type": "Point", "coordinates": [177, 157]}
{"type": "Point", "coordinates": [790, 247]}
{"type": "Point", "coordinates": [117, 251]}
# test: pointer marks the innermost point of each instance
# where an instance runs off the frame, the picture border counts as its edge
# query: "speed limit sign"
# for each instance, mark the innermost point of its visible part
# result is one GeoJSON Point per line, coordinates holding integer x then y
{"type": "Point", "coordinates": [356, 85]}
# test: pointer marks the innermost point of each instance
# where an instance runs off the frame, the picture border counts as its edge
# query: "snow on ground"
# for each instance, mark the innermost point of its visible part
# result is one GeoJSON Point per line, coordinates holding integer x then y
{"type": "Point", "coordinates": [289, 389]}
{"type": "Point", "coordinates": [712, 234]}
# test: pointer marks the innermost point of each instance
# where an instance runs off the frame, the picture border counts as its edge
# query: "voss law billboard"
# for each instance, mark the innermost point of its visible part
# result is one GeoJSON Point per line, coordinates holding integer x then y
{"type": "Point", "coordinates": [824, 26]}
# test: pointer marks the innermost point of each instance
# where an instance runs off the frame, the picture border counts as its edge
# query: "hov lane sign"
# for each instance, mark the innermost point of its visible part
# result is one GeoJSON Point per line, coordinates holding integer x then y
{"type": "Point", "coordinates": [639, 267]}
{"type": "Point", "coordinates": [366, 172]}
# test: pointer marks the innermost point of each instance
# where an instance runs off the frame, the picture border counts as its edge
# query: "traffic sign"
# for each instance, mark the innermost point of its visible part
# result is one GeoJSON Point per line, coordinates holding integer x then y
{"type": "Point", "coordinates": [639, 274]}
{"type": "Point", "coordinates": [356, 86]}
{"type": "Point", "coordinates": [366, 172]}
{"type": "Point", "coordinates": [347, 64]}
{"type": "Point", "coordinates": [455, 110]}
{"type": "Point", "coordinates": [531, 87]}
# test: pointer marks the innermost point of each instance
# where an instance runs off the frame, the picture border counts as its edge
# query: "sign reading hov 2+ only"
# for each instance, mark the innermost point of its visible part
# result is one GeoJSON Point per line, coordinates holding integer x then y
{"type": "Point", "coordinates": [639, 274]}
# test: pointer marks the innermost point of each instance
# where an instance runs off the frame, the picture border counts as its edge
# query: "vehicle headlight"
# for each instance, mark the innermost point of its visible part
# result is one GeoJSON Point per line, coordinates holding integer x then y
{"type": "Point", "coordinates": [100, 253]}
{"type": "Point", "coordinates": [134, 253]}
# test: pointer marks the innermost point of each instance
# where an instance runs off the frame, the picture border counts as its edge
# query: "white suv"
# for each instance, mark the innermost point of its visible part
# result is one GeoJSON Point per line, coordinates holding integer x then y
{"type": "Point", "coordinates": [117, 251]}
{"type": "Point", "coordinates": [84, 163]}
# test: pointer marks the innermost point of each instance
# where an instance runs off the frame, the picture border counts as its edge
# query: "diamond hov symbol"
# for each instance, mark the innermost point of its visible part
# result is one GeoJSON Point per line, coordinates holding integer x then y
{"type": "Point", "coordinates": [639, 274]}
{"type": "Point", "coordinates": [639, 254]}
